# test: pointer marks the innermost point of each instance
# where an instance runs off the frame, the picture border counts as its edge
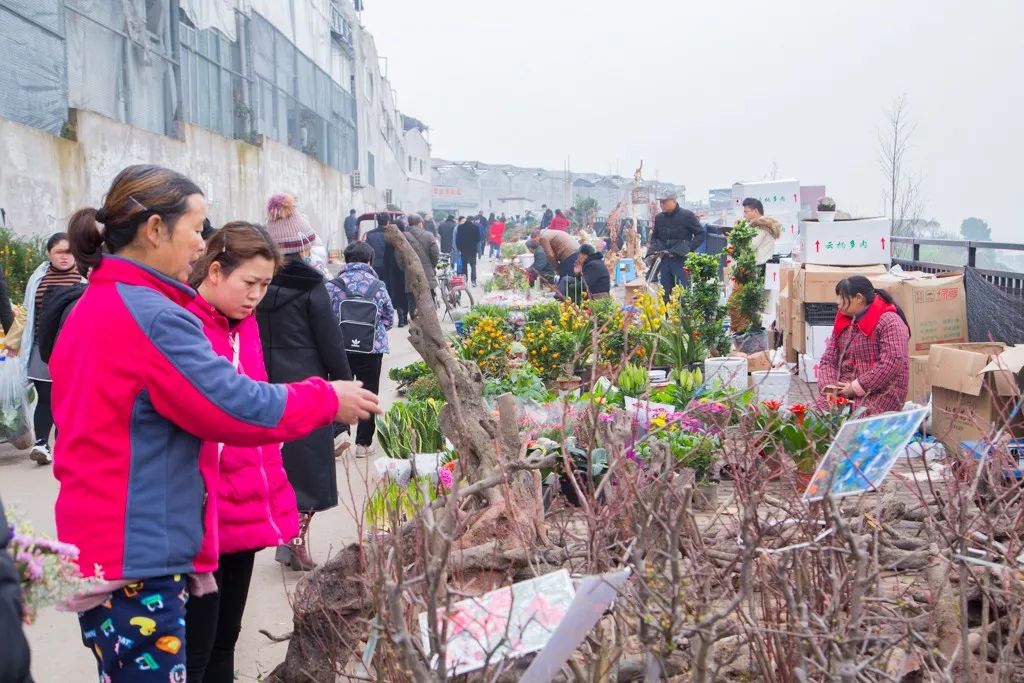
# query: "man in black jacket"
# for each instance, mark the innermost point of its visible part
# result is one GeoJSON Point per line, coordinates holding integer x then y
{"type": "Point", "coordinates": [546, 217]}
{"type": "Point", "coordinates": [467, 239]}
{"type": "Point", "coordinates": [447, 235]}
{"type": "Point", "coordinates": [676, 233]}
{"type": "Point", "coordinates": [14, 652]}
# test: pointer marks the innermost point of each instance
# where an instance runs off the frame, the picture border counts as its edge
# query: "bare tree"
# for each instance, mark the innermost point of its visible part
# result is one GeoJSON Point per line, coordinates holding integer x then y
{"type": "Point", "coordinates": [901, 191]}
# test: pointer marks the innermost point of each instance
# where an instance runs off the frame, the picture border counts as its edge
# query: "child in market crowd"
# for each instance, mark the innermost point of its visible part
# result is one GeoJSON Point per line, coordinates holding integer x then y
{"type": "Point", "coordinates": [357, 283]}
{"type": "Point", "coordinates": [255, 503]}
{"type": "Point", "coordinates": [133, 476]}
{"type": "Point", "coordinates": [867, 359]}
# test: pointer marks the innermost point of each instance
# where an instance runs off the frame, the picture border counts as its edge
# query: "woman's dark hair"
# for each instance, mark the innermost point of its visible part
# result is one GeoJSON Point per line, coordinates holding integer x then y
{"type": "Point", "coordinates": [558, 212]}
{"type": "Point", "coordinates": [55, 239]}
{"type": "Point", "coordinates": [137, 193]}
{"type": "Point", "coordinates": [858, 284]}
{"type": "Point", "coordinates": [233, 245]}
{"type": "Point", "coordinates": [588, 250]}
{"type": "Point", "coordinates": [359, 252]}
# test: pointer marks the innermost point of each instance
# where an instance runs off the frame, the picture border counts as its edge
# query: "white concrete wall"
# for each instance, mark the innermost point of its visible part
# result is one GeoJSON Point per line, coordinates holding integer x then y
{"type": "Point", "coordinates": [43, 178]}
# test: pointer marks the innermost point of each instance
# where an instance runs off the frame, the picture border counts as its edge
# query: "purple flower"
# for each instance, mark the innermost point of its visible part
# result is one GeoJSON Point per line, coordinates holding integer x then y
{"type": "Point", "coordinates": [631, 454]}
{"type": "Point", "coordinates": [605, 417]}
{"type": "Point", "coordinates": [445, 477]}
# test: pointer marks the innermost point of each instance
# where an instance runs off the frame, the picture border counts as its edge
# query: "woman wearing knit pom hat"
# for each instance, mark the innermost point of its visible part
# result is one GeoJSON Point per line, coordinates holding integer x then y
{"type": "Point", "coordinates": [301, 338]}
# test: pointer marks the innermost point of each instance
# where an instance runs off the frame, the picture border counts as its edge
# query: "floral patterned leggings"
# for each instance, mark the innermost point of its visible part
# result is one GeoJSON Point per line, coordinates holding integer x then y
{"type": "Point", "coordinates": [139, 634]}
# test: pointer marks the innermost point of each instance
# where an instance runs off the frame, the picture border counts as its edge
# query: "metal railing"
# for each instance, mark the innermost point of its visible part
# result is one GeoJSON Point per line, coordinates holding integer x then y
{"type": "Point", "coordinates": [1005, 279]}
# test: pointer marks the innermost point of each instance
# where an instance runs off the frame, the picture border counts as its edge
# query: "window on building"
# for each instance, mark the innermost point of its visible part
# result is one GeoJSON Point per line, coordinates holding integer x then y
{"type": "Point", "coordinates": [421, 167]}
{"type": "Point", "coordinates": [410, 164]}
{"type": "Point", "coordinates": [371, 176]}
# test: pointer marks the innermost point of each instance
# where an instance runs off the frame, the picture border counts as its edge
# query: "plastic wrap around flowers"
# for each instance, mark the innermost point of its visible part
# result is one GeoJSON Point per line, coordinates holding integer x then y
{"type": "Point", "coordinates": [46, 567]}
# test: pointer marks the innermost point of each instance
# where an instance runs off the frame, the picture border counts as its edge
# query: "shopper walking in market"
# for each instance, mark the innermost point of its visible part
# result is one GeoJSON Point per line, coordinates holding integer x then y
{"type": "Point", "coordinates": [677, 232]}
{"type": "Point", "coordinates": [358, 297]}
{"type": "Point", "coordinates": [867, 359]}
{"type": "Point", "coordinates": [559, 222]}
{"type": "Point", "coordinates": [546, 217]}
{"type": "Point", "coordinates": [425, 246]}
{"type": "Point", "coordinates": [447, 234]}
{"type": "Point", "coordinates": [495, 235]}
{"type": "Point", "coordinates": [133, 416]}
{"type": "Point", "coordinates": [467, 240]}
{"type": "Point", "coordinates": [484, 225]}
{"type": "Point", "coordinates": [58, 270]}
{"type": "Point", "coordinates": [255, 503]}
{"type": "Point", "coordinates": [301, 339]}
{"type": "Point", "coordinates": [351, 227]}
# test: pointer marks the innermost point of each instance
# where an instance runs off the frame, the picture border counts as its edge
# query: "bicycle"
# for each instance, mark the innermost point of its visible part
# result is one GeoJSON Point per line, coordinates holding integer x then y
{"type": "Point", "coordinates": [454, 293]}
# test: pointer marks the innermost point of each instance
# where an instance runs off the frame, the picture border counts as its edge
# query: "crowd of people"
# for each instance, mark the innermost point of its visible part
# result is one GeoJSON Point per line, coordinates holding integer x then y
{"type": "Point", "coordinates": [202, 420]}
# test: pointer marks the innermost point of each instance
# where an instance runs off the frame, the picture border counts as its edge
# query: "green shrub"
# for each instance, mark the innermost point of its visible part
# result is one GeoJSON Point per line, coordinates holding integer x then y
{"type": "Point", "coordinates": [20, 256]}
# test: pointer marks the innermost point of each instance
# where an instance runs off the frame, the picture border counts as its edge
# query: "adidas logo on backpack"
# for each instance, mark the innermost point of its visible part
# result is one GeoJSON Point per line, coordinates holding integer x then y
{"type": "Point", "coordinates": [358, 318]}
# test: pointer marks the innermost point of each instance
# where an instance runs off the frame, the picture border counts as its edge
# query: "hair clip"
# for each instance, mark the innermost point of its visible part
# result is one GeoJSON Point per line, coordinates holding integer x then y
{"type": "Point", "coordinates": [140, 204]}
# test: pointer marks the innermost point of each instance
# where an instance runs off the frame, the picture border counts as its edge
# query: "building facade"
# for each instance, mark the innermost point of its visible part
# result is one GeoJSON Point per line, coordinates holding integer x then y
{"type": "Point", "coordinates": [462, 187]}
{"type": "Point", "coordinates": [247, 97]}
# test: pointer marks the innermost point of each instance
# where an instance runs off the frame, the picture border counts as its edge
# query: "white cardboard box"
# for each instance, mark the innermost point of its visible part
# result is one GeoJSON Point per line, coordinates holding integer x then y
{"type": "Point", "coordinates": [854, 242]}
{"type": "Point", "coordinates": [816, 339]}
{"type": "Point", "coordinates": [772, 271]}
{"type": "Point", "coordinates": [808, 369]}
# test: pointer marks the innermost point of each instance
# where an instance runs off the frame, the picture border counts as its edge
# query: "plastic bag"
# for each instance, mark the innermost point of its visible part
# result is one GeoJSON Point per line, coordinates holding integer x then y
{"type": "Point", "coordinates": [17, 404]}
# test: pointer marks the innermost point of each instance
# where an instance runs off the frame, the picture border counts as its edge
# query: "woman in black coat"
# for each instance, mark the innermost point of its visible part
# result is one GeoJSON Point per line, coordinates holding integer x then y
{"type": "Point", "coordinates": [301, 339]}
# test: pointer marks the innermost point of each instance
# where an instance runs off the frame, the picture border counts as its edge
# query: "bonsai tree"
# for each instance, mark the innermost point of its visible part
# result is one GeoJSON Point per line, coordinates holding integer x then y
{"type": "Point", "coordinates": [700, 303]}
{"type": "Point", "coordinates": [826, 204]}
{"type": "Point", "coordinates": [748, 299]}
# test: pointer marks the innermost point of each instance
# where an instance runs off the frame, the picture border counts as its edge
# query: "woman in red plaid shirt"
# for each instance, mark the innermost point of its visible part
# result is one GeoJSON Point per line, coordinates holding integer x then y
{"type": "Point", "coordinates": [867, 358]}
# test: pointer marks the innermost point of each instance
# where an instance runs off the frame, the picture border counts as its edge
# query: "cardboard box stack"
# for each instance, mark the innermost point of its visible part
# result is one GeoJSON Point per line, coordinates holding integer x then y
{"type": "Point", "coordinates": [974, 389]}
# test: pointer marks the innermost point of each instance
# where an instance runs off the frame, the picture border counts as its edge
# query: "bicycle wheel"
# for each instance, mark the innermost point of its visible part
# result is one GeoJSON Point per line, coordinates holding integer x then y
{"type": "Point", "coordinates": [461, 297]}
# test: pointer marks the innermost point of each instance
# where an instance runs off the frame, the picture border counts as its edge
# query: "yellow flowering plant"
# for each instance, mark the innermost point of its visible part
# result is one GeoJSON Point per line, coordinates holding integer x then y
{"type": "Point", "coordinates": [489, 345]}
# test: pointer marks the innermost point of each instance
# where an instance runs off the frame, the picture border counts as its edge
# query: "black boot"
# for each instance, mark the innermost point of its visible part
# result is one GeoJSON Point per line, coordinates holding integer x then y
{"type": "Point", "coordinates": [403, 320]}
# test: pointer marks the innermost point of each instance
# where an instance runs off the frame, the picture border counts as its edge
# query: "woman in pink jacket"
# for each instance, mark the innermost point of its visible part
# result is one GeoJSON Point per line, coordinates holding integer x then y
{"type": "Point", "coordinates": [255, 503]}
{"type": "Point", "coordinates": [137, 390]}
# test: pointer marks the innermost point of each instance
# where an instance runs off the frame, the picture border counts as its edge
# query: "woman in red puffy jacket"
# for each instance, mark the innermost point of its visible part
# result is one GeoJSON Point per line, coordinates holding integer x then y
{"type": "Point", "coordinates": [255, 503]}
{"type": "Point", "coordinates": [495, 235]}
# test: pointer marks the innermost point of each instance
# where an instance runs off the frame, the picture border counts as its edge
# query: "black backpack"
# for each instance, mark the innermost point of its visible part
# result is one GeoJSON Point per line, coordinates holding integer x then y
{"type": "Point", "coordinates": [358, 317]}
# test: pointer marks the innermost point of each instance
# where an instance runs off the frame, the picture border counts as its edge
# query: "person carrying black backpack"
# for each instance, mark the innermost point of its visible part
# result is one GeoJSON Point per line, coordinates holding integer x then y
{"type": "Point", "coordinates": [361, 303]}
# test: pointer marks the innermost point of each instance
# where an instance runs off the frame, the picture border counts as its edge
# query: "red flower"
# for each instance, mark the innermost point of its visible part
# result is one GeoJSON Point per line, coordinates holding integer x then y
{"type": "Point", "coordinates": [696, 334]}
{"type": "Point", "coordinates": [839, 401]}
{"type": "Point", "coordinates": [772, 405]}
{"type": "Point", "coordinates": [798, 410]}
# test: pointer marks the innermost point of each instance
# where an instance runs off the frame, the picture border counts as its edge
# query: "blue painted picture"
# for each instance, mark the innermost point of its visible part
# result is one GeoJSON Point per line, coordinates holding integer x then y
{"type": "Point", "coordinates": [862, 454]}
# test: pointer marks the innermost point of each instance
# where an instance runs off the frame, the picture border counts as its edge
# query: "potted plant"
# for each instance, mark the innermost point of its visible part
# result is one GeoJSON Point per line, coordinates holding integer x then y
{"type": "Point", "coordinates": [826, 210]}
{"type": "Point", "coordinates": [700, 303]}
{"type": "Point", "coordinates": [697, 451]}
{"type": "Point", "coordinates": [748, 298]}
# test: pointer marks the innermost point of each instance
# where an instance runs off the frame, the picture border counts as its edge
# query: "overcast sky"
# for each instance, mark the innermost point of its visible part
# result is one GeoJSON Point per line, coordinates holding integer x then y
{"type": "Point", "coordinates": [709, 92]}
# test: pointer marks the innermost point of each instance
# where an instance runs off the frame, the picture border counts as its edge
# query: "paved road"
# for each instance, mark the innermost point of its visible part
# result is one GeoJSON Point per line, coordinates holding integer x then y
{"type": "Point", "coordinates": [57, 652]}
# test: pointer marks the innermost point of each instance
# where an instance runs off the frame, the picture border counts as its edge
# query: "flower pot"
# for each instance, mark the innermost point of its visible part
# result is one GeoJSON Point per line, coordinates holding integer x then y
{"type": "Point", "coordinates": [705, 496]}
{"type": "Point", "coordinates": [826, 216]}
{"type": "Point", "coordinates": [568, 383]}
{"type": "Point", "coordinates": [802, 481]}
{"type": "Point", "coordinates": [751, 342]}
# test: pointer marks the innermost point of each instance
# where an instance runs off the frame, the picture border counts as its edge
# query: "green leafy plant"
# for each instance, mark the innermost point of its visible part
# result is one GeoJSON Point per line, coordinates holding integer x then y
{"type": "Point", "coordinates": [633, 380]}
{"type": "Point", "coordinates": [696, 450]}
{"type": "Point", "coordinates": [547, 311]}
{"type": "Point", "coordinates": [748, 299]}
{"type": "Point", "coordinates": [407, 374]}
{"type": "Point", "coordinates": [513, 249]}
{"type": "Point", "coordinates": [411, 427]}
{"type": "Point", "coordinates": [423, 388]}
{"type": "Point", "coordinates": [393, 500]}
{"type": "Point", "coordinates": [524, 383]}
{"type": "Point", "coordinates": [20, 256]}
{"type": "Point", "coordinates": [701, 304]}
